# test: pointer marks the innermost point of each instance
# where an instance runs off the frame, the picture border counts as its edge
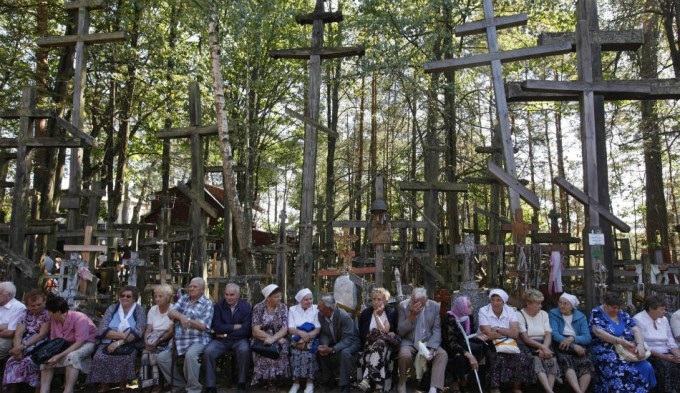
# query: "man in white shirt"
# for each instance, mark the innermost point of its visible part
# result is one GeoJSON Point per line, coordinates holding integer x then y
{"type": "Point", "coordinates": [10, 311]}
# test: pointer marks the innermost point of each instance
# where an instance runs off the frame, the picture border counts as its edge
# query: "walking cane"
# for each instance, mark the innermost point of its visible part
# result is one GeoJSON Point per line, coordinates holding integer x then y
{"type": "Point", "coordinates": [467, 341]}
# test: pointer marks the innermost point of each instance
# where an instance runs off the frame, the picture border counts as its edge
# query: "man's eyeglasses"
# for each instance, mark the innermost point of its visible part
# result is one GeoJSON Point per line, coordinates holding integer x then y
{"type": "Point", "coordinates": [128, 296]}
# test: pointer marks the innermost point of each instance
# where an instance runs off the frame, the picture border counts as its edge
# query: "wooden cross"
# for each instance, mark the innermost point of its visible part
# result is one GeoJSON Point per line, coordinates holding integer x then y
{"type": "Point", "coordinates": [495, 58]}
{"type": "Point", "coordinates": [132, 262]}
{"type": "Point", "coordinates": [24, 144]}
{"type": "Point", "coordinates": [80, 40]}
{"type": "Point", "coordinates": [344, 247]}
{"type": "Point", "coordinates": [588, 42]}
{"type": "Point", "coordinates": [199, 206]}
{"type": "Point", "coordinates": [317, 52]}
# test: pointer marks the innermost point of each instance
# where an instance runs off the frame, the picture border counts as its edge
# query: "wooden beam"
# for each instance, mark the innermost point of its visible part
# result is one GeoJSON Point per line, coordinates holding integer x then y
{"type": "Point", "coordinates": [76, 132]}
{"type": "Point", "coordinates": [68, 40]}
{"type": "Point", "coordinates": [437, 186]}
{"type": "Point", "coordinates": [513, 183]}
{"type": "Point", "coordinates": [89, 4]}
{"type": "Point", "coordinates": [355, 270]}
{"type": "Point", "coordinates": [589, 202]}
{"type": "Point", "coordinates": [324, 53]}
{"type": "Point", "coordinates": [431, 270]}
{"type": "Point", "coordinates": [659, 89]}
{"type": "Point", "coordinates": [309, 120]}
{"type": "Point", "coordinates": [211, 211]}
{"type": "Point", "coordinates": [69, 202]}
{"type": "Point", "coordinates": [84, 248]}
{"type": "Point", "coordinates": [364, 224]}
{"type": "Point", "coordinates": [6, 184]}
{"type": "Point", "coordinates": [612, 41]}
{"type": "Point", "coordinates": [501, 22]}
{"type": "Point", "coordinates": [27, 112]}
{"type": "Point", "coordinates": [503, 57]}
{"type": "Point", "coordinates": [623, 87]}
{"type": "Point", "coordinates": [41, 142]}
{"type": "Point", "coordinates": [325, 17]}
{"type": "Point", "coordinates": [186, 132]}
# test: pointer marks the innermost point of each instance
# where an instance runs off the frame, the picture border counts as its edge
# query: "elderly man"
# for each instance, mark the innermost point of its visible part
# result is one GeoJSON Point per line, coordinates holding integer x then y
{"type": "Point", "coordinates": [338, 344]}
{"type": "Point", "coordinates": [419, 321]}
{"type": "Point", "coordinates": [10, 311]}
{"type": "Point", "coordinates": [232, 326]}
{"type": "Point", "coordinates": [192, 314]}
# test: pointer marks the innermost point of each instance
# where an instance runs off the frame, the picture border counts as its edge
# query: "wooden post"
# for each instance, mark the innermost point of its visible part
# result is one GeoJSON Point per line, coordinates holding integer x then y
{"type": "Point", "coordinates": [305, 261]}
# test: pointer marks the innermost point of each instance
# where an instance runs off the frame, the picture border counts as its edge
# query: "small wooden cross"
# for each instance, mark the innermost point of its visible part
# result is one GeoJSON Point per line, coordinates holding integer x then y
{"type": "Point", "coordinates": [344, 242]}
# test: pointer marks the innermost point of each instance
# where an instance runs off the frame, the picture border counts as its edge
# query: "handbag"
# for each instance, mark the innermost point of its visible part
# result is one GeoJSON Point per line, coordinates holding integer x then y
{"type": "Point", "coordinates": [506, 345]}
{"type": "Point", "coordinates": [271, 351]}
{"type": "Point", "coordinates": [629, 356]}
{"type": "Point", "coordinates": [148, 372]}
{"type": "Point", "coordinates": [123, 349]}
{"type": "Point", "coordinates": [43, 352]}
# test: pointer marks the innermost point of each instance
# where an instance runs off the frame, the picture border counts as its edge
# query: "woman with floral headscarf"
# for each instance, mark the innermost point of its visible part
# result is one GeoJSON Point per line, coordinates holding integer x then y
{"type": "Point", "coordinates": [304, 326]}
{"type": "Point", "coordinates": [458, 323]}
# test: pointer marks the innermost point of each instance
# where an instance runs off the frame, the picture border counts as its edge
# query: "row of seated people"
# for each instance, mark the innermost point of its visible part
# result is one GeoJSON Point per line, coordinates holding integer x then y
{"type": "Point", "coordinates": [523, 346]}
{"type": "Point", "coordinates": [325, 339]}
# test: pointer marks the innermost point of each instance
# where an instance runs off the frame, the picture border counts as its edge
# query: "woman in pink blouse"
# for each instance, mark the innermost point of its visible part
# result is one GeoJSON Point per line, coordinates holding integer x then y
{"type": "Point", "coordinates": [77, 329]}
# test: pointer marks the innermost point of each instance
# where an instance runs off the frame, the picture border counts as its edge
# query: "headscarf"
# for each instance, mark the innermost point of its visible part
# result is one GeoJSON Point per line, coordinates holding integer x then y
{"type": "Point", "coordinates": [266, 291]}
{"type": "Point", "coordinates": [571, 299]}
{"type": "Point", "coordinates": [499, 292]}
{"type": "Point", "coordinates": [459, 309]}
{"type": "Point", "coordinates": [302, 293]}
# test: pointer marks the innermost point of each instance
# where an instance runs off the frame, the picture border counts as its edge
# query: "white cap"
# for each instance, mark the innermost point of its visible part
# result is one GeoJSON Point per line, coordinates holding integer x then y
{"type": "Point", "coordinates": [499, 292]}
{"type": "Point", "coordinates": [266, 291]}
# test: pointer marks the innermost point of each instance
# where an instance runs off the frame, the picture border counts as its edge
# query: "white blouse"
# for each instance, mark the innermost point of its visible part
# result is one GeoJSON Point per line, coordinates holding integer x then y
{"type": "Point", "coordinates": [658, 338]}
{"type": "Point", "coordinates": [535, 327]}
{"type": "Point", "coordinates": [298, 316]}
{"type": "Point", "coordinates": [488, 318]}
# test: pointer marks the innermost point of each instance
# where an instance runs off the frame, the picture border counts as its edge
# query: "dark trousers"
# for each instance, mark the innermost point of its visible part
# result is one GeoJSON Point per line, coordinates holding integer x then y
{"type": "Point", "coordinates": [343, 361]}
{"type": "Point", "coordinates": [218, 348]}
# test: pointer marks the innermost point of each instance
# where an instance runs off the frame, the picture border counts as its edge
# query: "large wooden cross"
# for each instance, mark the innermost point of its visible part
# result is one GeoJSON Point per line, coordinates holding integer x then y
{"type": "Point", "coordinates": [199, 207]}
{"type": "Point", "coordinates": [495, 58]}
{"type": "Point", "coordinates": [25, 143]}
{"type": "Point", "coordinates": [591, 91]}
{"type": "Point", "coordinates": [317, 52]}
{"type": "Point", "coordinates": [80, 40]}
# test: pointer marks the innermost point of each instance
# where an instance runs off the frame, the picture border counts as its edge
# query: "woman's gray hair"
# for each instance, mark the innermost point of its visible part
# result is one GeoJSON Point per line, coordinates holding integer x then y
{"type": "Point", "coordinates": [328, 301]}
{"type": "Point", "coordinates": [419, 293]}
{"type": "Point", "coordinates": [8, 288]}
{"type": "Point", "coordinates": [164, 289]}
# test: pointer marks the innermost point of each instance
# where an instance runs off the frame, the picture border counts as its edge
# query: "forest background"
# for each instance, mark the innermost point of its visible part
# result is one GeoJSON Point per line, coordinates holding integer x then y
{"type": "Point", "coordinates": [387, 112]}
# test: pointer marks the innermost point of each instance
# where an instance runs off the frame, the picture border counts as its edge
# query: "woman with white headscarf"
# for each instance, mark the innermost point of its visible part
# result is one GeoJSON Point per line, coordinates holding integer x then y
{"type": "Point", "coordinates": [303, 326]}
{"type": "Point", "coordinates": [270, 324]}
{"type": "Point", "coordinates": [123, 322]}
{"type": "Point", "coordinates": [508, 365]}
{"type": "Point", "coordinates": [571, 338]}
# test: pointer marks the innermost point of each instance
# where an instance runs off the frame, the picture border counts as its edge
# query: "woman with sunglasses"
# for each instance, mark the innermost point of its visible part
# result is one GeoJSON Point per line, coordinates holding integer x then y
{"type": "Point", "coordinates": [123, 322]}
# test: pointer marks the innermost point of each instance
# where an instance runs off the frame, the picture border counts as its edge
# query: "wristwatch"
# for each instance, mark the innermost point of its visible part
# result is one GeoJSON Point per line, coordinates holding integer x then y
{"type": "Point", "coordinates": [333, 351]}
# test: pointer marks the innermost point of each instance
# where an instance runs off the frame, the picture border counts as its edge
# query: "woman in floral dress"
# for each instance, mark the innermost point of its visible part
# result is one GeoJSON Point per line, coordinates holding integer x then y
{"type": "Point", "coordinates": [33, 329]}
{"type": "Point", "coordinates": [270, 324]}
{"type": "Point", "coordinates": [611, 326]}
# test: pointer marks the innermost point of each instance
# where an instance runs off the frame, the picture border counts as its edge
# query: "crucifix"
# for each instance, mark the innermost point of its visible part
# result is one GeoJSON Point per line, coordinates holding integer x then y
{"type": "Point", "coordinates": [199, 207]}
{"type": "Point", "coordinates": [25, 143]}
{"type": "Point", "coordinates": [80, 40]}
{"type": "Point", "coordinates": [132, 264]}
{"type": "Point", "coordinates": [590, 91]}
{"type": "Point", "coordinates": [317, 52]}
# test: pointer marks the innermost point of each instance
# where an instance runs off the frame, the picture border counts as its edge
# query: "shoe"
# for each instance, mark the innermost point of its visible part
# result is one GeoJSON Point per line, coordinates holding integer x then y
{"type": "Point", "coordinates": [364, 385]}
{"type": "Point", "coordinates": [329, 386]}
{"type": "Point", "coordinates": [210, 389]}
{"type": "Point", "coordinates": [401, 388]}
{"type": "Point", "coordinates": [495, 390]}
{"type": "Point", "coordinates": [345, 389]}
{"type": "Point", "coordinates": [433, 390]}
{"type": "Point", "coordinates": [294, 388]}
{"type": "Point", "coordinates": [309, 388]}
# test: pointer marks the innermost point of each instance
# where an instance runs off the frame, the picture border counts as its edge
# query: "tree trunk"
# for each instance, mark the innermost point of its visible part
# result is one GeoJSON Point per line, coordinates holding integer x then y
{"type": "Point", "coordinates": [243, 233]}
{"type": "Point", "coordinates": [657, 213]}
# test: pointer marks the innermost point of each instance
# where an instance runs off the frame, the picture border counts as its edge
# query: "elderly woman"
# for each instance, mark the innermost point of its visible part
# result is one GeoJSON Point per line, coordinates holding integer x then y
{"type": "Point", "coordinates": [304, 326]}
{"type": "Point", "coordinates": [656, 330]}
{"type": "Point", "coordinates": [32, 329]}
{"type": "Point", "coordinates": [611, 326]}
{"type": "Point", "coordinates": [270, 324]}
{"type": "Point", "coordinates": [123, 322]}
{"type": "Point", "coordinates": [78, 330]}
{"type": "Point", "coordinates": [536, 333]}
{"type": "Point", "coordinates": [498, 322]}
{"type": "Point", "coordinates": [459, 323]}
{"type": "Point", "coordinates": [377, 331]}
{"type": "Point", "coordinates": [159, 328]}
{"type": "Point", "coordinates": [571, 337]}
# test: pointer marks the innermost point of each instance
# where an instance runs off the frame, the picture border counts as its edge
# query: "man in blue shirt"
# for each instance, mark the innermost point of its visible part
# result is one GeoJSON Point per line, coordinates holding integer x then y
{"type": "Point", "coordinates": [232, 327]}
{"type": "Point", "coordinates": [192, 314]}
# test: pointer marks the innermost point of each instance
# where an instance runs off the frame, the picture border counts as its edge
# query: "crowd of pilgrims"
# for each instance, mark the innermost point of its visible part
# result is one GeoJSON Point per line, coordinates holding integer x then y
{"type": "Point", "coordinates": [318, 344]}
